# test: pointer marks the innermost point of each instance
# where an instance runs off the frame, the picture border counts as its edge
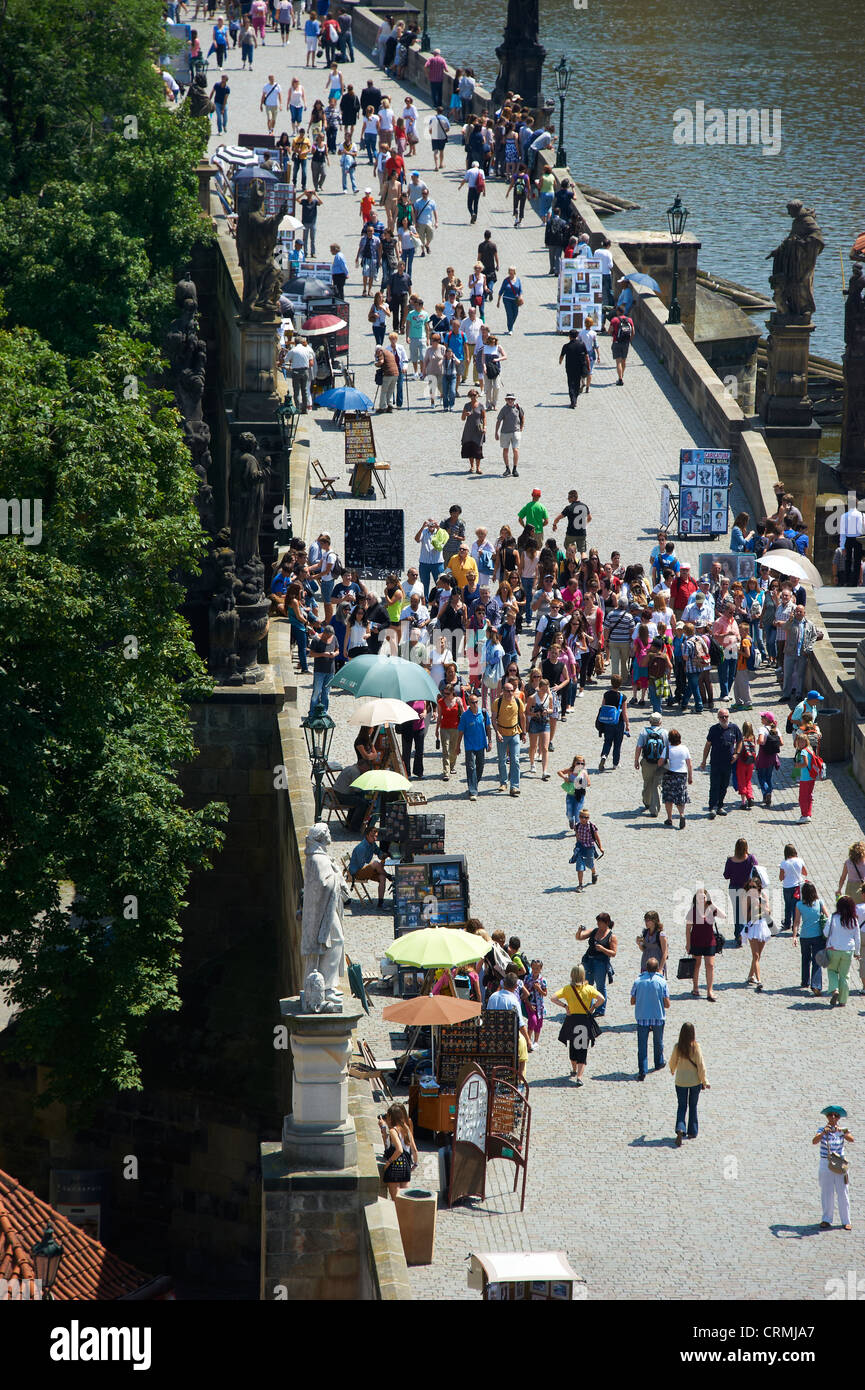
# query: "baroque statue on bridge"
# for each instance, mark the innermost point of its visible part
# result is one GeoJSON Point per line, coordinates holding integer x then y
{"type": "Point", "coordinates": [793, 263]}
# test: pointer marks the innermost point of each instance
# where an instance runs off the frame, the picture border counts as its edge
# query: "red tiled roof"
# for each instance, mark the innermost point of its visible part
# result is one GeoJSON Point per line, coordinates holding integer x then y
{"type": "Point", "coordinates": [87, 1270]}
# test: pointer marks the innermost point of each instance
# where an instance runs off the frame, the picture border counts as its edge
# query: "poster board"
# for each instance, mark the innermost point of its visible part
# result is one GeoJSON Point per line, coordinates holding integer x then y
{"type": "Point", "coordinates": [469, 1161]}
{"type": "Point", "coordinates": [358, 438]}
{"type": "Point", "coordinates": [426, 834]}
{"type": "Point", "coordinates": [431, 892]}
{"type": "Point", "coordinates": [315, 270]}
{"type": "Point", "coordinates": [581, 293]}
{"type": "Point", "coordinates": [254, 142]}
{"type": "Point", "coordinates": [490, 1040]}
{"type": "Point", "coordinates": [704, 492]}
{"type": "Point", "coordinates": [374, 541]}
{"type": "Point", "coordinates": [275, 195]}
{"type": "Point", "coordinates": [736, 565]}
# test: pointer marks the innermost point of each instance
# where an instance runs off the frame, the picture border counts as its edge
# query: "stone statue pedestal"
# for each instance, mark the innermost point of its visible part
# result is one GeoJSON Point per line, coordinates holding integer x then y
{"type": "Point", "coordinates": [786, 401]}
{"type": "Point", "coordinates": [319, 1132]}
{"type": "Point", "coordinates": [258, 398]}
{"type": "Point", "coordinates": [791, 434]}
{"type": "Point", "coordinates": [520, 69]}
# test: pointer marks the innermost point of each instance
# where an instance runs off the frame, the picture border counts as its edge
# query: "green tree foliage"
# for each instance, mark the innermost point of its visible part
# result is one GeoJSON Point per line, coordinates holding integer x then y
{"type": "Point", "coordinates": [98, 191]}
{"type": "Point", "coordinates": [95, 669]}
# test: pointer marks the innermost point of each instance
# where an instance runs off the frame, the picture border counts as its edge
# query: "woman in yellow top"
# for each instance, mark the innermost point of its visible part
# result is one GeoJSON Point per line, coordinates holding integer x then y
{"type": "Point", "coordinates": [394, 598]}
{"type": "Point", "coordinates": [578, 998]}
{"type": "Point", "coordinates": [689, 1072]}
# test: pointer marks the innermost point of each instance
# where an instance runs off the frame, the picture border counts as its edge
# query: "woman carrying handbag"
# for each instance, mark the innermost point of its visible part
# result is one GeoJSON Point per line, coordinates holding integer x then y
{"type": "Point", "coordinates": [701, 940]}
{"type": "Point", "coordinates": [834, 1185]}
{"type": "Point", "coordinates": [579, 1029]}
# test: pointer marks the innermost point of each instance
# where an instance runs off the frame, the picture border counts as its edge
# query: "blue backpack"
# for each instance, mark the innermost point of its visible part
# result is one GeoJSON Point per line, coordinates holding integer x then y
{"type": "Point", "coordinates": [608, 715]}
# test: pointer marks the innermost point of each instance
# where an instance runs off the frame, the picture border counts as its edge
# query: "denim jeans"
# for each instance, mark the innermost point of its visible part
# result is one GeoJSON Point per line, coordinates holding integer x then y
{"type": "Point", "coordinates": [726, 675]}
{"type": "Point", "coordinates": [613, 736]}
{"type": "Point", "coordinates": [512, 308]}
{"type": "Point", "coordinates": [309, 241]}
{"type": "Point", "coordinates": [789, 907]}
{"type": "Point", "coordinates": [222, 117]}
{"type": "Point", "coordinates": [408, 257]}
{"type": "Point", "coordinates": [320, 689]}
{"type": "Point", "coordinates": [412, 751]}
{"type": "Point", "coordinates": [811, 974]}
{"type": "Point", "coordinates": [299, 634]}
{"type": "Point", "coordinates": [474, 767]}
{"type": "Point", "coordinates": [449, 391]}
{"type": "Point", "coordinates": [429, 573]}
{"type": "Point", "coordinates": [399, 381]}
{"type": "Point", "coordinates": [719, 781]}
{"type": "Point", "coordinates": [692, 687]}
{"type": "Point", "coordinates": [686, 1099]}
{"type": "Point", "coordinates": [378, 332]}
{"type": "Point", "coordinates": [764, 777]}
{"type": "Point", "coordinates": [349, 174]}
{"type": "Point", "coordinates": [657, 1032]}
{"type": "Point", "coordinates": [508, 750]}
{"type": "Point", "coordinates": [573, 802]}
{"type": "Point", "coordinates": [326, 589]}
{"type": "Point", "coordinates": [370, 144]}
{"type": "Point", "coordinates": [298, 166]}
{"type": "Point", "coordinates": [528, 588]}
{"type": "Point", "coordinates": [654, 698]}
{"type": "Point", "coordinates": [596, 976]}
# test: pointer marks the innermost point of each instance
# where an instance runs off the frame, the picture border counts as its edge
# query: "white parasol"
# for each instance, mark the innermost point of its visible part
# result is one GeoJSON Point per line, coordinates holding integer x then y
{"type": "Point", "coordinates": [789, 562]}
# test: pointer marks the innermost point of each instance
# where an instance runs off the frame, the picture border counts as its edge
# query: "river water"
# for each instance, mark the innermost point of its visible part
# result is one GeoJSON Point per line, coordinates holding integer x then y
{"type": "Point", "coordinates": [633, 66]}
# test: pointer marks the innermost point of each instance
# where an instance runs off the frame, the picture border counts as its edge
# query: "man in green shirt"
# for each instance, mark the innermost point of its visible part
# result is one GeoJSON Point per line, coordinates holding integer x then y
{"type": "Point", "coordinates": [417, 331]}
{"type": "Point", "coordinates": [534, 514]}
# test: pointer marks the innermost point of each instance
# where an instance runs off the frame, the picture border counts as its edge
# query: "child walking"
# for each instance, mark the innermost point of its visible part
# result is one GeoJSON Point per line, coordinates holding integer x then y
{"type": "Point", "coordinates": [745, 765]}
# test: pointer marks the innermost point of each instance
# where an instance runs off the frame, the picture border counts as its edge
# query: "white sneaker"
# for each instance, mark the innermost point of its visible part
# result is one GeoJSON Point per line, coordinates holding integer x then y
{"type": "Point", "coordinates": [804, 820]}
{"type": "Point", "coordinates": [473, 796]}
{"type": "Point", "coordinates": [580, 694]}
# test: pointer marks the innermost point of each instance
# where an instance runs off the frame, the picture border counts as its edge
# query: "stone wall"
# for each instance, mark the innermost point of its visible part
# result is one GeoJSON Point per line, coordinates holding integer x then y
{"type": "Point", "coordinates": [365, 26]}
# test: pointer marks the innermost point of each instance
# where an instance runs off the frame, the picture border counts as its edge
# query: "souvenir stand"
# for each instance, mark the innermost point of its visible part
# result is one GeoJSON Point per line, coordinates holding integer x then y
{"type": "Point", "coordinates": [488, 1041]}
{"type": "Point", "coordinates": [542, 1275]}
{"type": "Point", "coordinates": [581, 293]}
{"type": "Point", "coordinates": [432, 891]}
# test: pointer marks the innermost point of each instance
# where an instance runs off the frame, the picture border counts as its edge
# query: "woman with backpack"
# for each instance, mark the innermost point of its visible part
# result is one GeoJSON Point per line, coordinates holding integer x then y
{"type": "Point", "coordinates": [611, 722]}
{"type": "Point", "coordinates": [769, 743]}
{"type": "Point", "coordinates": [807, 769]}
{"type": "Point", "coordinates": [520, 184]}
{"type": "Point", "coordinates": [641, 645]}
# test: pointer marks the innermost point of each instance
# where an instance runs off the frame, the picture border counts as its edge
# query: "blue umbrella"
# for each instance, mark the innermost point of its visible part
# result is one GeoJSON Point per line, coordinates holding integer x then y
{"type": "Point", "coordinates": [344, 398]}
{"type": "Point", "coordinates": [639, 279]}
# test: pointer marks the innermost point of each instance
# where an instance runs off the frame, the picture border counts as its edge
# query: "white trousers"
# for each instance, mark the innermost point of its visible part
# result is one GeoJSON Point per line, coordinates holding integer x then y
{"type": "Point", "coordinates": [833, 1188]}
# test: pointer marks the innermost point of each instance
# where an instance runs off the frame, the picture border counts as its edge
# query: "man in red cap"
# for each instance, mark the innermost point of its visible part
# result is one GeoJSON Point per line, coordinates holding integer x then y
{"type": "Point", "coordinates": [535, 514]}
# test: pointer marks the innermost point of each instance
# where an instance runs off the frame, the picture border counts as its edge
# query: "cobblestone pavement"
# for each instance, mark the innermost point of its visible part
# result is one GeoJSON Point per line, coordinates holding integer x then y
{"type": "Point", "coordinates": [733, 1214]}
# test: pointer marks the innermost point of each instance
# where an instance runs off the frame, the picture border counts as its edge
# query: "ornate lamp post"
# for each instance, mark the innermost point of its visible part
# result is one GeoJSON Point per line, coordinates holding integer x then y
{"type": "Point", "coordinates": [288, 419]}
{"type": "Point", "coordinates": [46, 1255]}
{"type": "Point", "coordinates": [677, 216]}
{"type": "Point", "coordinates": [425, 38]}
{"type": "Point", "coordinates": [563, 78]}
{"type": "Point", "coordinates": [318, 730]}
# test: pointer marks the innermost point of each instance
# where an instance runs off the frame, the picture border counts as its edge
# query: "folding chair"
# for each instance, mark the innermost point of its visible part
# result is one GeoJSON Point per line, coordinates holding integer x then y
{"type": "Point", "coordinates": [357, 886]}
{"type": "Point", "coordinates": [326, 489]}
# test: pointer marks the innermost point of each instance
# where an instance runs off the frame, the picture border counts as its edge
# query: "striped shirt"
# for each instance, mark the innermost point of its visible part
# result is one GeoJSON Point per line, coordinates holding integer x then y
{"type": "Point", "coordinates": [831, 1142]}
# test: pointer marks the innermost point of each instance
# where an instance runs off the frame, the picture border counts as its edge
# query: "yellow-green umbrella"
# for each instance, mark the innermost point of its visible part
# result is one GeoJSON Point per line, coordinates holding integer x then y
{"type": "Point", "coordinates": [432, 948]}
{"type": "Point", "coordinates": [381, 779]}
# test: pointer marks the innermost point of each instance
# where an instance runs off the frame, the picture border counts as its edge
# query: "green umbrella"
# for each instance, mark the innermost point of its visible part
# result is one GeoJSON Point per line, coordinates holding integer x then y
{"type": "Point", "coordinates": [381, 779]}
{"type": "Point", "coordinates": [436, 947]}
{"type": "Point", "coordinates": [388, 676]}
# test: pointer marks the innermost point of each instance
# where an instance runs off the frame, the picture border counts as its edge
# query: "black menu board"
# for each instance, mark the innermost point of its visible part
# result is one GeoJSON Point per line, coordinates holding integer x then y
{"type": "Point", "coordinates": [490, 1040]}
{"type": "Point", "coordinates": [374, 541]}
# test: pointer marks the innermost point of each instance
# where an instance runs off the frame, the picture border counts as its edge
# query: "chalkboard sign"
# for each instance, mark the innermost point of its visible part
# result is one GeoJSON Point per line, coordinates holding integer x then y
{"type": "Point", "coordinates": [374, 541]}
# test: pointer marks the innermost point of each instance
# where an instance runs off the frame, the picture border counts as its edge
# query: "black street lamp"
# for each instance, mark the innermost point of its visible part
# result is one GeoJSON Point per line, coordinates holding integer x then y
{"type": "Point", "coordinates": [46, 1255]}
{"type": "Point", "coordinates": [318, 730]}
{"type": "Point", "coordinates": [562, 75]}
{"type": "Point", "coordinates": [425, 39]}
{"type": "Point", "coordinates": [677, 216]}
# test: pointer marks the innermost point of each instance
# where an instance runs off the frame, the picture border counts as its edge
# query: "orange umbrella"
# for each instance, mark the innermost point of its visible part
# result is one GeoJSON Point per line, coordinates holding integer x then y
{"type": "Point", "coordinates": [431, 1009]}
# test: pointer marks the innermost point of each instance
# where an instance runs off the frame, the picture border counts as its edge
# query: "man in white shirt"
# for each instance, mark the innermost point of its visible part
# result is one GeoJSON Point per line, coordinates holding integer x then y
{"type": "Point", "coordinates": [471, 332]}
{"type": "Point", "coordinates": [413, 618]}
{"type": "Point", "coordinates": [415, 190]}
{"type": "Point", "coordinates": [271, 100]}
{"type": "Point", "coordinates": [700, 610]}
{"type": "Point", "coordinates": [474, 181]}
{"type": "Point", "coordinates": [851, 530]}
{"type": "Point", "coordinates": [298, 361]}
{"type": "Point", "coordinates": [413, 584]}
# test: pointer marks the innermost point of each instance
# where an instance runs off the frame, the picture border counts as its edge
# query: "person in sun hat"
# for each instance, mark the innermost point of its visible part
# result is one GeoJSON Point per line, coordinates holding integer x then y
{"type": "Point", "coordinates": [807, 709]}
{"type": "Point", "coordinates": [509, 430]}
{"type": "Point", "coordinates": [833, 1184]}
